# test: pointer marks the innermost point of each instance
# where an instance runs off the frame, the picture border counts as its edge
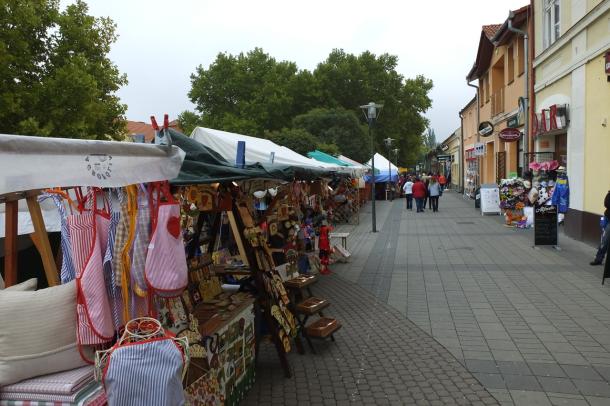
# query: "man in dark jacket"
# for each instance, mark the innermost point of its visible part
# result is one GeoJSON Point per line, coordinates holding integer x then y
{"type": "Point", "coordinates": [605, 240]}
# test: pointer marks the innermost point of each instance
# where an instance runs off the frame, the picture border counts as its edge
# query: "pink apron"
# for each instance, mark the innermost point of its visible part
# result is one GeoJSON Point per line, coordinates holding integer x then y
{"type": "Point", "coordinates": [90, 237]}
{"type": "Point", "coordinates": [165, 270]}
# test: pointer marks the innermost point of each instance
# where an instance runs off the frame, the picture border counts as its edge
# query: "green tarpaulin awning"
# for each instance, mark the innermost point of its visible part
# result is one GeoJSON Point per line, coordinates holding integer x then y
{"type": "Point", "coordinates": [204, 165]}
{"type": "Point", "coordinates": [329, 159]}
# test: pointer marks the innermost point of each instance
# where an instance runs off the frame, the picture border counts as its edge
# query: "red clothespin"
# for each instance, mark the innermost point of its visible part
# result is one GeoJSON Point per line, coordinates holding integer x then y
{"type": "Point", "coordinates": [166, 121]}
{"type": "Point", "coordinates": [154, 123]}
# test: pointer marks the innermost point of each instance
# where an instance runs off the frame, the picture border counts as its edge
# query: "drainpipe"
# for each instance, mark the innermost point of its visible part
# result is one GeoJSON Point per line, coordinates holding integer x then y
{"type": "Point", "coordinates": [511, 15]}
{"type": "Point", "coordinates": [461, 161]}
{"type": "Point", "coordinates": [478, 184]}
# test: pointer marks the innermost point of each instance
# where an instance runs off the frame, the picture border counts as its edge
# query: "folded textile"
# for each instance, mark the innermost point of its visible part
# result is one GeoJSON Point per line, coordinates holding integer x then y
{"type": "Point", "coordinates": [78, 398]}
{"type": "Point", "coordinates": [61, 383]}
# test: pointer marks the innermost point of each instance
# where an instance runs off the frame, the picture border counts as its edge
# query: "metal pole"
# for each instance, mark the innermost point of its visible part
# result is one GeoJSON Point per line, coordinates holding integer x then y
{"type": "Point", "coordinates": [373, 174]}
{"type": "Point", "coordinates": [390, 174]}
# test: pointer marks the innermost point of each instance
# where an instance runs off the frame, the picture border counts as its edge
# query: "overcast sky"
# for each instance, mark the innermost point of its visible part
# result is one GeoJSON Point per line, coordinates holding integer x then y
{"type": "Point", "coordinates": [162, 42]}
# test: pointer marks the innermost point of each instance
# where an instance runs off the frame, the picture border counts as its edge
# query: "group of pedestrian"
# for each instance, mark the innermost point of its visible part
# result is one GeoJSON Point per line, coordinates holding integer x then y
{"type": "Point", "coordinates": [424, 189]}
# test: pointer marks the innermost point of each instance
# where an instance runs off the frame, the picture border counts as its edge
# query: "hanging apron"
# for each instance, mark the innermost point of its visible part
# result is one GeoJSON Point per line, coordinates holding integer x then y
{"type": "Point", "coordinates": [67, 273]}
{"type": "Point", "coordinates": [114, 293]}
{"type": "Point", "coordinates": [140, 244]}
{"type": "Point", "coordinates": [89, 232]}
{"type": "Point", "coordinates": [145, 373]}
{"type": "Point", "coordinates": [166, 269]}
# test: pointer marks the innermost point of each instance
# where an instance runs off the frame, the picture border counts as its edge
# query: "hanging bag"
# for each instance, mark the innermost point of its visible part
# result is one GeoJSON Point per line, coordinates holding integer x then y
{"type": "Point", "coordinates": [166, 270]}
{"type": "Point", "coordinates": [145, 367]}
{"type": "Point", "coordinates": [89, 236]}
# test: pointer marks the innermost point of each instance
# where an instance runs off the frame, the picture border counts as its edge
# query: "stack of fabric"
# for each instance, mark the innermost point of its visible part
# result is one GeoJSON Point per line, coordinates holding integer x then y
{"type": "Point", "coordinates": [68, 388]}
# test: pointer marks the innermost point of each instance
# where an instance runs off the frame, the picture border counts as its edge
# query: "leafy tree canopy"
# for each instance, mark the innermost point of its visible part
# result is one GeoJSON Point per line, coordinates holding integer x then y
{"type": "Point", "coordinates": [55, 76]}
{"type": "Point", "coordinates": [253, 93]}
{"type": "Point", "coordinates": [296, 139]}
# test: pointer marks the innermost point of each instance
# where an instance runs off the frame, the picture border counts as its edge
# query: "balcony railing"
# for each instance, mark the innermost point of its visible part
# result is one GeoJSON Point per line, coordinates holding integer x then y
{"type": "Point", "coordinates": [497, 102]}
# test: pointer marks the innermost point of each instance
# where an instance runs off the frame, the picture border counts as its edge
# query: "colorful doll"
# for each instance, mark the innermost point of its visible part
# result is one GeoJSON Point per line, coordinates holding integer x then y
{"type": "Point", "coordinates": [324, 246]}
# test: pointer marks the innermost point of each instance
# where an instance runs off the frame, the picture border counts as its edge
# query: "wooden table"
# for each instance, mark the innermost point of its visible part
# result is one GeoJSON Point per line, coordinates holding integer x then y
{"type": "Point", "coordinates": [343, 237]}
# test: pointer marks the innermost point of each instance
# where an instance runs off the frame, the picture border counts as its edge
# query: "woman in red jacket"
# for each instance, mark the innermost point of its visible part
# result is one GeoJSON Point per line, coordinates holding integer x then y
{"type": "Point", "coordinates": [419, 194]}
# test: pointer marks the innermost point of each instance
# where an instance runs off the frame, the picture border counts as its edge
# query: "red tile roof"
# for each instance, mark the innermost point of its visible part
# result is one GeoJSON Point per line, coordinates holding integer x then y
{"type": "Point", "coordinates": [140, 127]}
{"type": "Point", "coordinates": [491, 29]}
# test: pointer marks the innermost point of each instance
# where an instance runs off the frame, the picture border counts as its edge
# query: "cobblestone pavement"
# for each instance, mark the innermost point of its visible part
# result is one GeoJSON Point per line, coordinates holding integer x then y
{"type": "Point", "coordinates": [530, 324]}
{"type": "Point", "coordinates": [379, 358]}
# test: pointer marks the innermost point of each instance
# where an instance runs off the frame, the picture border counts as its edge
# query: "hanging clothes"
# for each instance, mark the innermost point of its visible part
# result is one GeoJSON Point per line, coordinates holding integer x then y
{"type": "Point", "coordinates": [140, 244]}
{"type": "Point", "coordinates": [166, 270]}
{"type": "Point", "coordinates": [112, 286]}
{"type": "Point", "coordinates": [89, 231]}
{"type": "Point", "coordinates": [561, 194]}
{"type": "Point", "coordinates": [68, 272]}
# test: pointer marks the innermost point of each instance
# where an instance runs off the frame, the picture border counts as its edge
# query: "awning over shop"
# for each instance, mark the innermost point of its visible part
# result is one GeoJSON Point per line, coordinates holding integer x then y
{"type": "Point", "coordinates": [258, 150]}
{"type": "Point", "coordinates": [202, 164]}
{"type": "Point", "coordinates": [32, 163]}
{"type": "Point", "coordinates": [324, 157]}
{"type": "Point", "coordinates": [384, 170]}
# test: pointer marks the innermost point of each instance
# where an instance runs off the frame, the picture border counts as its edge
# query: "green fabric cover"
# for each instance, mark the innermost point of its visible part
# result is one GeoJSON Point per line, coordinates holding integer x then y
{"type": "Point", "coordinates": [329, 159]}
{"type": "Point", "coordinates": [204, 165]}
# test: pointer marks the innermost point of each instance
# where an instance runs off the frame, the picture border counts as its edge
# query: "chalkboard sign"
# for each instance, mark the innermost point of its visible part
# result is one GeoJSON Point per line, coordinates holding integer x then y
{"type": "Point", "coordinates": [545, 225]}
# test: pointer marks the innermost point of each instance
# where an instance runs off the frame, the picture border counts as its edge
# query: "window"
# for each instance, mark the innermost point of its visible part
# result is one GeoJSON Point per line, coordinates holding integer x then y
{"type": "Point", "coordinates": [520, 56]}
{"type": "Point", "coordinates": [551, 21]}
{"type": "Point", "coordinates": [487, 87]}
{"type": "Point", "coordinates": [510, 64]}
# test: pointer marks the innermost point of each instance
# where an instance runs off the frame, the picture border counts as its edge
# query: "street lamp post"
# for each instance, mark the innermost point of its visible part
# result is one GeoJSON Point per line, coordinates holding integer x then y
{"type": "Point", "coordinates": [371, 113]}
{"type": "Point", "coordinates": [388, 143]}
{"type": "Point", "coordinates": [396, 160]}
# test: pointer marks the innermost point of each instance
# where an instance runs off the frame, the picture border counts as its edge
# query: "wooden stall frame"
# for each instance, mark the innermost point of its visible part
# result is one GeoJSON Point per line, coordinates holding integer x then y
{"type": "Point", "coordinates": [39, 237]}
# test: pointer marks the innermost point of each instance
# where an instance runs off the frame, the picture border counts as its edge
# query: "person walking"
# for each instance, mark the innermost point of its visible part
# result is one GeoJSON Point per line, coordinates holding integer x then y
{"type": "Point", "coordinates": [434, 190]}
{"type": "Point", "coordinates": [605, 240]}
{"type": "Point", "coordinates": [442, 181]}
{"type": "Point", "coordinates": [419, 194]}
{"type": "Point", "coordinates": [408, 189]}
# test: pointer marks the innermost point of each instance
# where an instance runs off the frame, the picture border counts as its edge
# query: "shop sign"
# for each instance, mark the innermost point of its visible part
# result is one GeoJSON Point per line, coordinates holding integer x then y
{"type": "Point", "coordinates": [607, 64]}
{"type": "Point", "coordinates": [512, 122]}
{"type": "Point", "coordinates": [445, 157]}
{"type": "Point", "coordinates": [479, 149]}
{"type": "Point", "coordinates": [444, 147]}
{"type": "Point", "coordinates": [510, 134]}
{"type": "Point", "coordinates": [486, 129]}
{"type": "Point", "coordinates": [551, 119]}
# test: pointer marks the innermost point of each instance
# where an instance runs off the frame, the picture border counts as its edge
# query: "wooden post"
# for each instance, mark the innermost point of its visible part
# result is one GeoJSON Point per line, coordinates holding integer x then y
{"type": "Point", "coordinates": [10, 243]}
{"type": "Point", "coordinates": [238, 238]}
{"type": "Point", "coordinates": [41, 241]}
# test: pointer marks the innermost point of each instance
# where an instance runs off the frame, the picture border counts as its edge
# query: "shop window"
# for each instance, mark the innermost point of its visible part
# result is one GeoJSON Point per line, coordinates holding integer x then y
{"type": "Point", "coordinates": [520, 56]}
{"type": "Point", "coordinates": [551, 22]}
{"type": "Point", "coordinates": [510, 64]}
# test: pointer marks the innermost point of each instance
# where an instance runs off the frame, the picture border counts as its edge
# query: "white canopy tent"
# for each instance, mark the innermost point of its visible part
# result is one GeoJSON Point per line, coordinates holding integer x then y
{"type": "Point", "coordinates": [258, 150]}
{"type": "Point", "coordinates": [32, 163]}
{"type": "Point", "coordinates": [381, 163]}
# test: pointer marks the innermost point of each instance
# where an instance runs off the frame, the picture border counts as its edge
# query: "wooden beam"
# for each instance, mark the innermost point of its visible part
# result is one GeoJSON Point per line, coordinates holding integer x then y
{"type": "Point", "coordinates": [41, 241]}
{"type": "Point", "coordinates": [238, 238]}
{"type": "Point", "coordinates": [10, 243]}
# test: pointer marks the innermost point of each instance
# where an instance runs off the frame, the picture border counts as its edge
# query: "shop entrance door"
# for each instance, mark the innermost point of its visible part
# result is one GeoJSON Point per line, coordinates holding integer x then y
{"type": "Point", "coordinates": [500, 166]}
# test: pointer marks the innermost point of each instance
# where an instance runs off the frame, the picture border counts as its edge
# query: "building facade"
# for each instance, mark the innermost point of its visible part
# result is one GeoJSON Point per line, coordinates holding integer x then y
{"type": "Point", "coordinates": [450, 159]}
{"type": "Point", "coordinates": [499, 69]}
{"type": "Point", "coordinates": [572, 103]}
{"type": "Point", "coordinates": [470, 125]}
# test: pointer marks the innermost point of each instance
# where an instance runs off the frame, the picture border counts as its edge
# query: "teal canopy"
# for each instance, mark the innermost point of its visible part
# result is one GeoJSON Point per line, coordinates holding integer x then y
{"type": "Point", "coordinates": [203, 165]}
{"type": "Point", "coordinates": [329, 159]}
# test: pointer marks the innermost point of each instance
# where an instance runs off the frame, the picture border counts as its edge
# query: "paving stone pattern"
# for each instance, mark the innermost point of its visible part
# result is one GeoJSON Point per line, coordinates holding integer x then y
{"type": "Point", "coordinates": [530, 324]}
{"type": "Point", "coordinates": [379, 358]}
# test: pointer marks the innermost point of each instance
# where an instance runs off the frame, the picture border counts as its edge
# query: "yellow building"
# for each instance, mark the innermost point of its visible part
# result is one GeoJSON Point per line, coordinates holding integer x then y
{"type": "Point", "coordinates": [450, 160]}
{"type": "Point", "coordinates": [572, 103]}
{"type": "Point", "coordinates": [499, 70]}
{"type": "Point", "coordinates": [470, 125]}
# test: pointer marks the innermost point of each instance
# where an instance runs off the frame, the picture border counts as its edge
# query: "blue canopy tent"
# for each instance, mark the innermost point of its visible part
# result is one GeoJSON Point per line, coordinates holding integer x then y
{"type": "Point", "coordinates": [382, 170]}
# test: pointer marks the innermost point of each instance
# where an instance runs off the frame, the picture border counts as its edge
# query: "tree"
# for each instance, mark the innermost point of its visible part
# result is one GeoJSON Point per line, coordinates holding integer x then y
{"type": "Point", "coordinates": [250, 92]}
{"type": "Point", "coordinates": [55, 76]}
{"type": "Point", "coordinates": [188, 120]}
{"type": "Point", "coordinates": [339, 127]}
{"type": "Point", "coordinates": [349, 81]}
{"type": "Point", "coordinates": [296, 139]}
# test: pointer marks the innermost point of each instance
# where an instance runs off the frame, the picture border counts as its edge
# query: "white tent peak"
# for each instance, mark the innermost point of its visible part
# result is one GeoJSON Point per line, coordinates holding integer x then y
{"type": "Point", "coordinates": [381, 163]}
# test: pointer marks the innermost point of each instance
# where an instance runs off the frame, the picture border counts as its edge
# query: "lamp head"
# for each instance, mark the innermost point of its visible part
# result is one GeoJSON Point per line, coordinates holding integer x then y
{"type": "Point", "coordinates": [371, 110]}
